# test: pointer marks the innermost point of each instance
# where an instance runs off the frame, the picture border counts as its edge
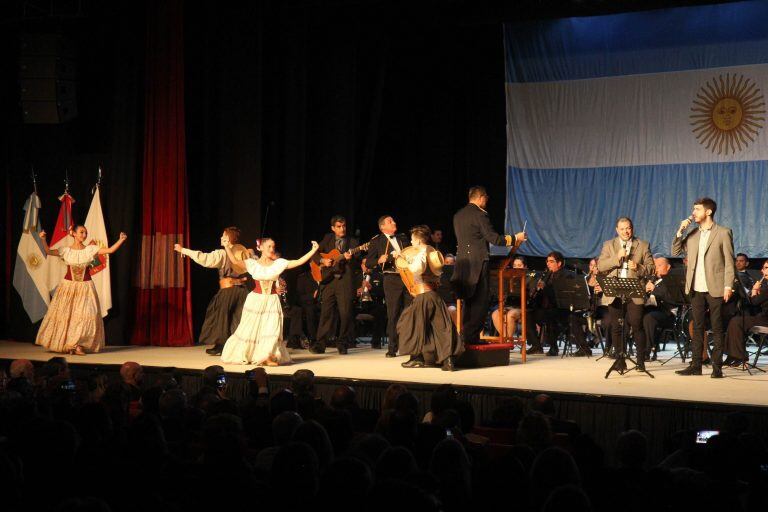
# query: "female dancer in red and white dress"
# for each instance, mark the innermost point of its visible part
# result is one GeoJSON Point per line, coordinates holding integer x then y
{"type": "Point", "coordinates": [258, 338]}
{"type": "Point", "coordinates": [73, 323]}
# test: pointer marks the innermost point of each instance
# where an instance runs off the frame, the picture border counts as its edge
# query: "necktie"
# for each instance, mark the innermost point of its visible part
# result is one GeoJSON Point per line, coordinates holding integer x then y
{"type": "Point", "coordinates": [339, 242]}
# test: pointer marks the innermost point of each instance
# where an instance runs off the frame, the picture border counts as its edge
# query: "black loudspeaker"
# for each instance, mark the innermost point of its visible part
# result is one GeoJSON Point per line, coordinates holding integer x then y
{"type": "Point", "coordinates": [47, 79]}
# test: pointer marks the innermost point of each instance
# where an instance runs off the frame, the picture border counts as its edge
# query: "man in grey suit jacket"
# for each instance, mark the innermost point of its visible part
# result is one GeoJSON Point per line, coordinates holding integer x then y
{"type": "Point", "coordinates": [627, 256]}
{"type": "Point", "coordinates": [708, 278]}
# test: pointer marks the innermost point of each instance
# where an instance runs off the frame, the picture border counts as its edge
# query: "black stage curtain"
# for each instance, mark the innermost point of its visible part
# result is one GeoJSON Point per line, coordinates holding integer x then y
{"type": "Point", "coordinates": [109, 48]}
{"type": "Point", "coordinates": [314, 108]}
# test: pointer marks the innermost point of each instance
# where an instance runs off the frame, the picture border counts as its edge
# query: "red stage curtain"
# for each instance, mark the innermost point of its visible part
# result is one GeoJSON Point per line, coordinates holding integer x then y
{"type": "Point", "coordinates": [163, 298]}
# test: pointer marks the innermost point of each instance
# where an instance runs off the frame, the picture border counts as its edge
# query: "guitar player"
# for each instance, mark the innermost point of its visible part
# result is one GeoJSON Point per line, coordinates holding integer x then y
{"type": "Point", "coordinates": [338, 293]}
{"type": "Point", "coordinates": [381, 252]}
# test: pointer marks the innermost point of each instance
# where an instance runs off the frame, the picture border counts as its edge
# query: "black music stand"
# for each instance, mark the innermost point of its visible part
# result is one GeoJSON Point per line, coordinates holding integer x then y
{"type": "Point", "coordinates": [572, 295]}
{"type": "Point", "coordinates": [623, 288]}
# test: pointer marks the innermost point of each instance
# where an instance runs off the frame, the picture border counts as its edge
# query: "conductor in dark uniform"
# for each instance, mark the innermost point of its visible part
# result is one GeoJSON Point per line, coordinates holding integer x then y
{"type": "Point", "coordinates": [470, 276]}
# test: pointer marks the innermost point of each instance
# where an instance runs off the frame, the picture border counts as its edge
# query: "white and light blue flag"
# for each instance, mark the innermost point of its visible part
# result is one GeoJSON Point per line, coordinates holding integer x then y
{"type": "Point", "coordinates": [637, 114]}
{"type": "Point", "coordinates": [30, 273]}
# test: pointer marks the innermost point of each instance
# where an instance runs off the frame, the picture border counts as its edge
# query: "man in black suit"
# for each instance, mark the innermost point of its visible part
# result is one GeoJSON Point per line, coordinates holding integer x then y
{"type": "Point", "coordinates": [470, 276]}
{"type": "Point", "coordinates": [658, 305]}
{"type": "Point", "coordinates": [338, 294]}
{"type": "Point", "coordinates": [382, 252]}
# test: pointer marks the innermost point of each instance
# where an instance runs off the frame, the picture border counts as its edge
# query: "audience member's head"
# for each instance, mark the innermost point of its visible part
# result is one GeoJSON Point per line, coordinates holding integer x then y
{"type": "Point", "coordinates": [553, 468]}
{"type": "Point", "coordinates": [284, 426]}
{"type": "Point", "coordinates": [393, 392]}
{"type": "Point", "coordinates": [396, 462]}
{"type": "Point", "coordinates": [213, 376]}
{"type": "Point", "coordinates": [508, 413]}
{"type": "Point", "coordinates": [295, 475]}
{"type": "Point", "coordinates": [132, 373]}
{"type": "Point", "coordinates": [22, 368]}
{"type": "Point", "coordinates": [315, 435]}
{"type": "Point", "coordinates": [172, 404]}
{"type": "Point", "coordinates": [544, 404]}
{"type": "Point", "coordinates": [344, 398]}
{"type": "Point", "coordinates": [282, 401]}
{"type": "Point", "coordinates": [534, 431]}
{"type": "Point", "coordinates": [303, 382]}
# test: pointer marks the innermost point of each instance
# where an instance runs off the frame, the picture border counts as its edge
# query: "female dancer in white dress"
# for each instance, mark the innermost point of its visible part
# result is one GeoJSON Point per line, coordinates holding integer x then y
{"type": "Point", "coordinates": [73, 323]}
{"type": "Point", "coordinates": [259, 336]}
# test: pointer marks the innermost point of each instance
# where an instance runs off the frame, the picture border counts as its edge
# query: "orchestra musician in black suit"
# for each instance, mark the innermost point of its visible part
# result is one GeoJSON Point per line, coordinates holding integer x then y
{"type": "Point", "coordinates": [470, 276]}
{"type": "Point", "coordinates": [382, 251]}
{"type": "Point", "coordinates": [338, 294]}
{"type": "Point", "coordinates": [658, 306]}
{"type": "Point", "coordinates": [735, 343]}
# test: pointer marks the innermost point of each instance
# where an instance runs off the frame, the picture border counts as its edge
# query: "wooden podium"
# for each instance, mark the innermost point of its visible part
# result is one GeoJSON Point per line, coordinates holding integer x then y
{"type": "Point", "coordinates": [504, 275]}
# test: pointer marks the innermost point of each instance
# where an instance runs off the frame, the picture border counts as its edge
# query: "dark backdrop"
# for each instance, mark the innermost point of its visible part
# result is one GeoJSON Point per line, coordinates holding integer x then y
{"type": "Point", "coordinates": [359, 107]}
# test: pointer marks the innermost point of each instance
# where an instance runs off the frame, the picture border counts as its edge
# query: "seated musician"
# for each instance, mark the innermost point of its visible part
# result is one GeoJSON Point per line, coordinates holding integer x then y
{"type": "Point", "coordinates": [424, 327]}
{"type": "Point", "coordinates": [598, 311]}
{"type": "Point", "coordinates": [370, 301]}
{"type": "Point", "coordinates": [659, 308]}
{"type": "Point", "coordinates": [512, 304]}
{"type": "Point", "coordinates": [735, 343]}
{"type": "Point", "coordinates": [552, 319]}
{"type": "Point", "coordinates": [742, 287]}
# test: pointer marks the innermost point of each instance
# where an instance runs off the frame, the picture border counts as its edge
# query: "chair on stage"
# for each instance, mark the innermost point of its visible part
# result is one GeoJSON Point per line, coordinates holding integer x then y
{"type": "Point", "coordinates": [759, 335]}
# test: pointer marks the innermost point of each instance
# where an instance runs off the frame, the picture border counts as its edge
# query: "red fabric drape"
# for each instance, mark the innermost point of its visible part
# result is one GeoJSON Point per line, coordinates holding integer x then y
{"type": "Point", "coordinates": [164, 299]}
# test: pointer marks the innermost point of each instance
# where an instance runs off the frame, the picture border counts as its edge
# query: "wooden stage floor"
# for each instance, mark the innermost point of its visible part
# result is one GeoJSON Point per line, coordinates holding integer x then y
{"type": "Point", "coordinates": [570, 375]}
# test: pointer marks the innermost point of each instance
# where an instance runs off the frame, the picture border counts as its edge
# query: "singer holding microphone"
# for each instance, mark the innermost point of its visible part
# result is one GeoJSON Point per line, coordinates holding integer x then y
{"type": "Point", "coordinates": [708, 278]}
{"type": "Point", "coordinates": [626, 256]}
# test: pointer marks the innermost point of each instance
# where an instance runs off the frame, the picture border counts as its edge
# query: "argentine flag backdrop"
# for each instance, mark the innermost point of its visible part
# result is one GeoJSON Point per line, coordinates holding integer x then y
{"type": "Point", "coordinates": [637, 114]}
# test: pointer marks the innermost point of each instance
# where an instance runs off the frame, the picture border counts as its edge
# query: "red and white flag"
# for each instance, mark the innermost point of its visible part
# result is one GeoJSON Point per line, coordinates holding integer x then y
{"type": "Point", "coordinates": [59, 238]}
{"type": "Point", "coordinates": [97, 233]}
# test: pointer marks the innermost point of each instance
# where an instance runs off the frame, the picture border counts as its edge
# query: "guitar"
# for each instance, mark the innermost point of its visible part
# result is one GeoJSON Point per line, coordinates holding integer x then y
{"type": "Point", "coordinates": [323, 275]}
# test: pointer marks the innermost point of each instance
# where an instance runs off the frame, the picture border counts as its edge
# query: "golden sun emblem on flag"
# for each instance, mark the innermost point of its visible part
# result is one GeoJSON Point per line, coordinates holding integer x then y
{"type": "Point", "coordinates": [33, 260]}
{"type": "Point", "coordinates": [727, 113]}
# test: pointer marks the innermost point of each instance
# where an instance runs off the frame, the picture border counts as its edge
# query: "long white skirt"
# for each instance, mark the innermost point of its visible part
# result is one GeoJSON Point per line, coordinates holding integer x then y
{"type": "Point", "coordinates": [259, 335]}
{"type": "Point", "coordinates": [73, 318]}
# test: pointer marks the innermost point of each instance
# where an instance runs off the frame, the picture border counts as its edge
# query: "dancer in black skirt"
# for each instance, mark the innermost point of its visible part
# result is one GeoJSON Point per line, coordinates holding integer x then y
{"type": "Point", "coordinates": [223, 313]}
{"type": "Point", "coordinates": [425, 329]}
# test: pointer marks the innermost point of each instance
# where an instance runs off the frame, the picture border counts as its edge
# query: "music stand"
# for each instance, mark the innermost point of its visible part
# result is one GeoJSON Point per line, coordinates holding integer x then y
{"type": "Point", "coordinates": [623, 288]}
{"type": "Point", "coordinates": [571, 294]}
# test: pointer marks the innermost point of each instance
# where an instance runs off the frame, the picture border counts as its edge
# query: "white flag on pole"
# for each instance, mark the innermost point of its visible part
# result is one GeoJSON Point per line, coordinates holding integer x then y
{"type": "Point", "coordinates": [97, 232]}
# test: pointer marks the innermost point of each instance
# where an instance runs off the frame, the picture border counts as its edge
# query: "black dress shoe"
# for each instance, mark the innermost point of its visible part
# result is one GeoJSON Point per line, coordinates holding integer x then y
{"type": "Point", "coordinates": [390, 354]}
{"type": "Point", "coordinates": [583, 352]}
{"type": "Point", "coordinates": [736, 363]}
{"type": "Point", "coordinates": [214, 350]}
{"type": "Point", "coordinates": [640, 366]}
{"type": "Point", "coordinates": [317, 348]}
{"type": "Point", "coordinates": [706, 362]}
{"type": "Point", "coordinates": [552, 352]}
{"type": "Point", "coordinates": [729, 361]}
{"type": "Point", "coordinates": [717, 373]}
{"type": "Point", "coordinates": [449, 365]}
{"type": "Point", "coordinates": [535, 350]}
{"type": "Point", "coordinates": [376, 344]}
{"type": "Point", "coordinates": [692, 369]}
{"type": "Point", "coordinates": [414, 362]}
{"type": "Point", "coordinates": [654, 356]}
{"type": "Point", "coordinates": [342, 348]}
